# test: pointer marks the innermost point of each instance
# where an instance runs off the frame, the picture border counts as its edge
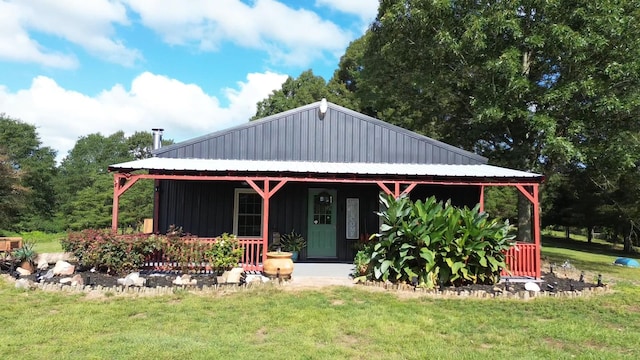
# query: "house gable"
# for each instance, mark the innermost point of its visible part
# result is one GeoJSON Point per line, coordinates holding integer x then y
{"type": "Point", "coordinates": [340, 136]}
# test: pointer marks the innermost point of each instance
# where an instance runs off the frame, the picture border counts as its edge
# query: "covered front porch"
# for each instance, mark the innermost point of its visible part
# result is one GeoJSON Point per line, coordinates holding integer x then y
{"type": "Point", "coordinates": [269, 179]}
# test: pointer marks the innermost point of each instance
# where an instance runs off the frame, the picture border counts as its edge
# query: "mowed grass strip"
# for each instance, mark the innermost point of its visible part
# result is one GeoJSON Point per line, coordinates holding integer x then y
{"type": "Point", "coordinates": [346, 323]}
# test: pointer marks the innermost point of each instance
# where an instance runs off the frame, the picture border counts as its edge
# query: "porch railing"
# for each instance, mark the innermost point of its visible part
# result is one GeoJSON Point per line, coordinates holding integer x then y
{"type": "Point", "coordinates": [251, 259]}
{"type": "Point", "coordinates": [521, 260]}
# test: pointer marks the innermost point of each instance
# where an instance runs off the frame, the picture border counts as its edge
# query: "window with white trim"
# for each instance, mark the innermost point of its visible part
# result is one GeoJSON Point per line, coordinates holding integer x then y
{"type": "Point", "coordinates": [247, 213]}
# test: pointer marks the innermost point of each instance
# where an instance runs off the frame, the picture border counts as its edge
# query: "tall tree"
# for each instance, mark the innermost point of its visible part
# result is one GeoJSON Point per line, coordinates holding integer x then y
{"type": "Point", "coordinates": [37, 168]}
{"type": "Point", "coordinates": [305, 89]}
{"type": "Point", "coordinates": [11, 192]}
{"type": "Point", "coordinates": [86, 187]}
{"type": "Point", "coordinates": [534, 85]}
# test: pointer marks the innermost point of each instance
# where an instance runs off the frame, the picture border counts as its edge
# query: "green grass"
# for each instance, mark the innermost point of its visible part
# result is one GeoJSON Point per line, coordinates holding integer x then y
{"type": "Point", "coordinates": [595, 258]}
{"type": "Point", "coordinates": [44, 242]}
{"type": "Point", "coordinates": [330, 323]}
{"type": "Point", "coordinates": [333, 323]}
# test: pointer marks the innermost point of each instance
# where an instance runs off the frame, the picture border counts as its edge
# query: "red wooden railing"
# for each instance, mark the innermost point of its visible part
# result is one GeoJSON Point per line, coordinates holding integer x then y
{"type": "Point", "coordinates": [252, 256]}
{"type": "Point", "coordinates": [521, 260]}
{"type": "Point", "coordinates": [251, 259]}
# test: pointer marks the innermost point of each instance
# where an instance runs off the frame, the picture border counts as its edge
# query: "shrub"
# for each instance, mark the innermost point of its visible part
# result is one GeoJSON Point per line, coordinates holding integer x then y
{"type": "Point", "coordinates": [225, 253]}
{"type": "Point", "coordinates": [118, 254]}
{"type": "Point", "coordinates": [436, 243]}
{"type": "Point", "coordinates": [109, 252]}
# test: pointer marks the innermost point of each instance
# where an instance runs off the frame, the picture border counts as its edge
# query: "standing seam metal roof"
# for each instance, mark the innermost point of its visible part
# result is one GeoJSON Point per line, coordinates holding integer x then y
{"type": "Point", "coordinates": [342, 135]}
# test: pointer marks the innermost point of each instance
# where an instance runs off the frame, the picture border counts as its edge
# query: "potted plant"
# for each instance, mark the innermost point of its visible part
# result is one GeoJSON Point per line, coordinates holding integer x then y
{"type": "Point", "coordinates": [26, 256]}
{"type": "Point", "coordinates": [293, 242]}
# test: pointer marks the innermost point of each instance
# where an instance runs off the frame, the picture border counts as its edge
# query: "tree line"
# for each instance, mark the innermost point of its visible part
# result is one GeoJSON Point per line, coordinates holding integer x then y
{"type": "Point", "coordinates": [546, 86]}
{"type": "Point", "coordinates": [38, 194]}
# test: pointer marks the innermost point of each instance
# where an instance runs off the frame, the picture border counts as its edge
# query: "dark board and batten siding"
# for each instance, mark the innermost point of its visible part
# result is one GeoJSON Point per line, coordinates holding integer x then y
{"type": "Point", "coordinates": [342, 136]}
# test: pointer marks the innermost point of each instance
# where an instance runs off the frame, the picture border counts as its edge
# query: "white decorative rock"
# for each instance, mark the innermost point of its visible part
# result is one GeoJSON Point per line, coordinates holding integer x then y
{"type": "Point", "coordinates": [132, 279]}
{"type": "Point", "coordinates": [63, 268]}
{"type": "Point", "coordinates": [531, 286]}
{"type": "Point", "coordinates": [23, 272]}
{"type": "Point", "coordinates": [66, 280]}
{"type": "Point", "coordinates": [185, 280]}
{"type": "Point", "coordinates": [52, 258]}
{"type": "Point", "coordinates": [77, 280]}
{"type": "Point", "coordinates": [234, 275]}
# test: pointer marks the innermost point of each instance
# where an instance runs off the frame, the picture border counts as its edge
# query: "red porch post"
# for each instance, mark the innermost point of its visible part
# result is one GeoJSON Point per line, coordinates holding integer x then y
{"type": "Point", "coordinates": [535, 200]}
{"type": "Point", "coordinates": [536, 228]}
{"type": "Point", "coordinates": [481, 198]}
{"type": "Point", "coordinates": [121, 183]}
{"type": "Point", "coordinates": [266, 194]}
{"type": "Point", "coordinates": [116, 203]}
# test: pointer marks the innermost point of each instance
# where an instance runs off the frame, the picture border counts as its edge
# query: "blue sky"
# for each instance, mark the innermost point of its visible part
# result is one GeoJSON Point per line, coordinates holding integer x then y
{"type": "Point", "coordinates": [75, 67]}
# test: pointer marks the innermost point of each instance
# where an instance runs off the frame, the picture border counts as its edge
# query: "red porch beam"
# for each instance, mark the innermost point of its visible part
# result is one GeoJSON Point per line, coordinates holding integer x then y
{"type": "Point", "coordinates": [377, 181]}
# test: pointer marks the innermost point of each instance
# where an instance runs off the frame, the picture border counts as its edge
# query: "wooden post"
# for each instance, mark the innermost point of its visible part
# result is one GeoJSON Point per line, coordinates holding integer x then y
{"type": "Point", "coordinates": [481, 198]}
{"type": "Point", "coordinates": [116, 203]}
{"type": "Point", "coordinates": [536, 229]}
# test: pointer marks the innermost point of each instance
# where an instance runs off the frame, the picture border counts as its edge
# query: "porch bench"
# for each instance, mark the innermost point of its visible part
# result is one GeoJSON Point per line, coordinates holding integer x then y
{"type": "Point", "coordinates": [7, 245]}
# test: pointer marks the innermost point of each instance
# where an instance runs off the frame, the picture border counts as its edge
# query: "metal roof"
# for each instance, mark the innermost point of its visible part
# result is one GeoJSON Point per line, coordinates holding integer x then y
{"type": "Point", "coordinates": [217, 165]}
{"type": "Point", "coordinates": [301, 134]}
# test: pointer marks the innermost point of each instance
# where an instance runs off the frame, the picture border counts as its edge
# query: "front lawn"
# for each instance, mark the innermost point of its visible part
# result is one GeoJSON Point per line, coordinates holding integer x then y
{"type": "Point", "coordinates": [330, 323]}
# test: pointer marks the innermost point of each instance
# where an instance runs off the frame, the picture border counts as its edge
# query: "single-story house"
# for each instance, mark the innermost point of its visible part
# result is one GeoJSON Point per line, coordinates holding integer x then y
{"type": "Point", "coordinates": [317, 169]}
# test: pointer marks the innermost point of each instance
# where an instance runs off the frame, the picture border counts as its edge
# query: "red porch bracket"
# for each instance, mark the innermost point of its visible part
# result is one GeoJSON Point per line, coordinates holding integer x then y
{"type": "Point", "coordinates": [121, 183]}
{"type": "Point", "coordinates": [525, 192]}
{"type": "Point", "coordinates": [384, 187]}
{"type": "Point", "coordinates": [409, 188]}
{"type": "Point", "coordinates": [396, 188]}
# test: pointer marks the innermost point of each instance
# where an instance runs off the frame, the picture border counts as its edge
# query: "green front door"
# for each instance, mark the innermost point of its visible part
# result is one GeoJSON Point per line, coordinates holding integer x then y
{"type": "Point", "coordinates": [321, 236]}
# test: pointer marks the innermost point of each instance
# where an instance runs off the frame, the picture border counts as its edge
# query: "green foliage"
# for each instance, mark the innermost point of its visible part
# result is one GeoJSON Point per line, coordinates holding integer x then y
{"type": "Point", "coordinates": [361, 264]}
{"type": "Point", "coordinates": [304, 90]}
{"type": "Point", "coordinates": [437, 244]}
{"type": "Point", "coordinates": [118, 254]}
{"type": "Point", "coordinates": [27, 172]}
{"type": "Point", "coordinates": [292, 241]}
{"type": "Point", "coordinates": [11, 192]}
{"type": "Point", "coordinates": [26, 253]}
{"type": "Point", "coordinates": [225, 253]}
{"type": "Point", "coordinates": [548, 86]}
{"type": "Point", "coordinates": [108, 252]}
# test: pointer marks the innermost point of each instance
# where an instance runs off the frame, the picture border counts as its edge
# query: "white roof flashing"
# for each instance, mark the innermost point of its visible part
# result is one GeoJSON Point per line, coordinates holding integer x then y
{"type": "Point", "coordinates": [219, 165]}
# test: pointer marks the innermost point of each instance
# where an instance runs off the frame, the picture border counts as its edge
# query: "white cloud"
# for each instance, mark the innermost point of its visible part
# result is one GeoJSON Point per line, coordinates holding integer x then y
{"type": "Point", "coordinates": [88, 24]}
{"type": "Point", "coordinates": [365, 9]}
{"type": "Point", "coordinates": [291, 36]}
{"type": "Point", "coordinates": [183, 110]}
{"type": "Point", "coordinates": [16, 45]}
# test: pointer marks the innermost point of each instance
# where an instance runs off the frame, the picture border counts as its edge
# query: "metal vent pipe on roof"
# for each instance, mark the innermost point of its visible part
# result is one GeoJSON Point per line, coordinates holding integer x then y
{"type": "Point", "coordinates": [157, 138]}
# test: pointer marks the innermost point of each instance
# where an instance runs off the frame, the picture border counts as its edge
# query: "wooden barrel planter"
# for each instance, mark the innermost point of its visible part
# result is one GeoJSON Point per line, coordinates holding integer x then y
{"type": "Point", "coordinates": [278, 265]}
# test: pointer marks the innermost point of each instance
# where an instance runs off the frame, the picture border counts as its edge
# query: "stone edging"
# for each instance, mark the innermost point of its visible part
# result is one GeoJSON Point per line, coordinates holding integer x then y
{"type": "Point", "coordinates": [482, 294]}
{"type": "Point", "coordinates": [404, 288]}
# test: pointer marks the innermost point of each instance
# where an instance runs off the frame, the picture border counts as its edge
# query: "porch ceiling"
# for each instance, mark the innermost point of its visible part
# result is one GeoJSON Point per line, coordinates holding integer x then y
{"type": "Point", "coordinates": [302, 167]}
